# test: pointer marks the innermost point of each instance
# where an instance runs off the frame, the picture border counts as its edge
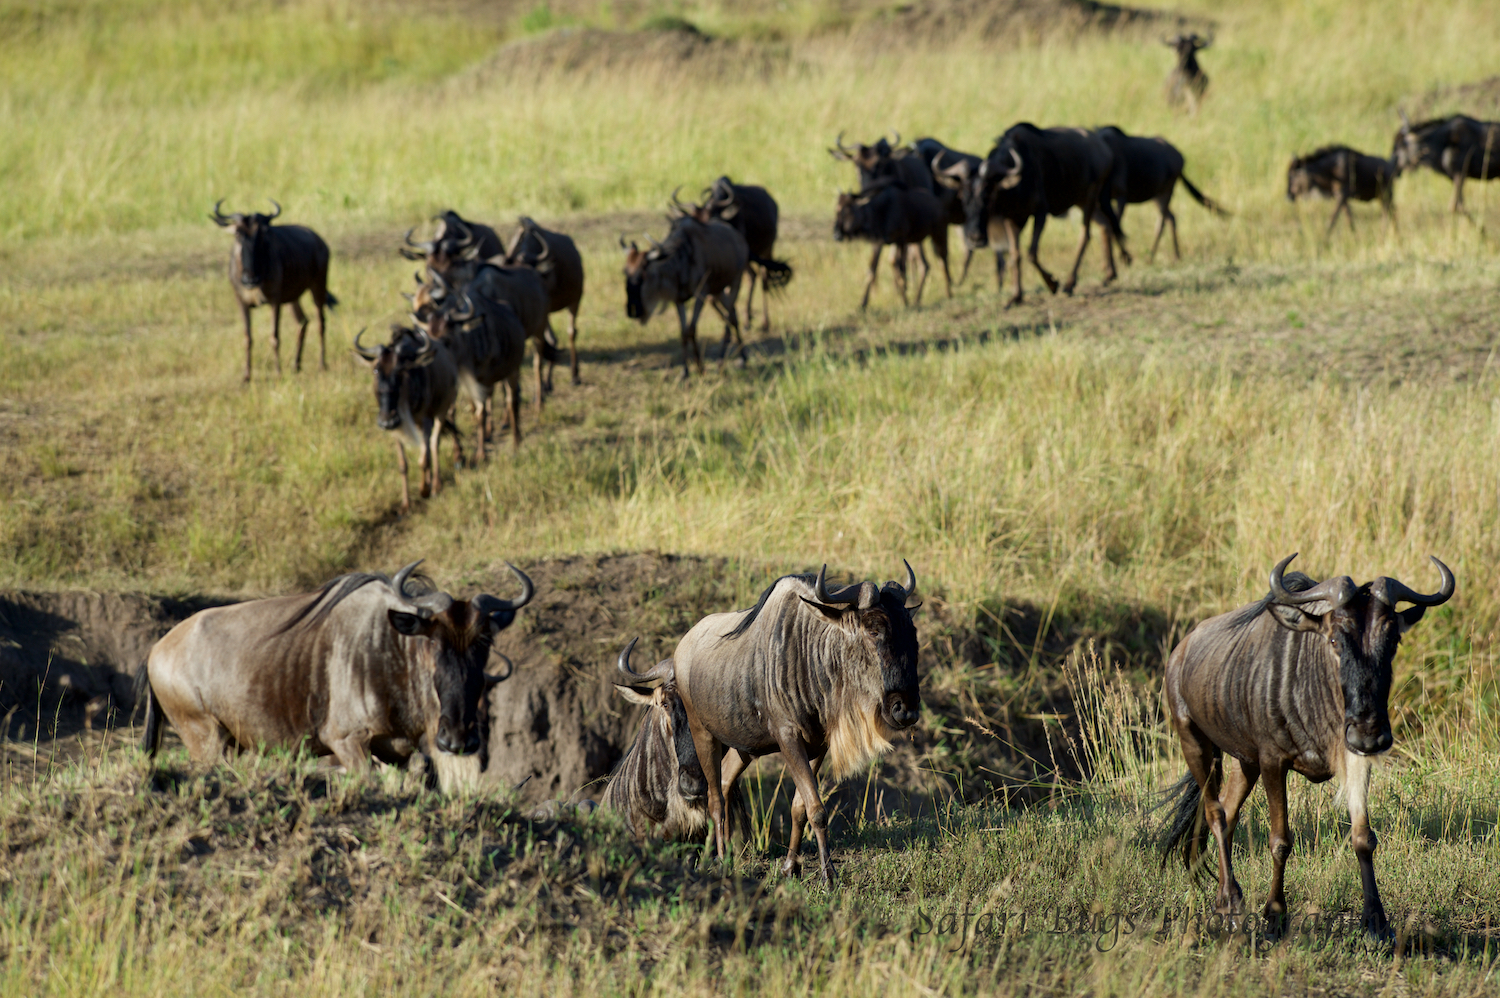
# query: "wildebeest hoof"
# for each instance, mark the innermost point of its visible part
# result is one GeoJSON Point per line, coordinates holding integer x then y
{"type": "Point", "coordinates": [1067, 289]}
{"type": "Point", "coordinates": [791, 867]}
{"type": "Point", "coordinates": [577, 381]}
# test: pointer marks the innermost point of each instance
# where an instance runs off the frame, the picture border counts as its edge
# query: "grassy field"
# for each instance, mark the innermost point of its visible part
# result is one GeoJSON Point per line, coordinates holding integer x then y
{"type": "Point", "coordinates": [1120, 464]}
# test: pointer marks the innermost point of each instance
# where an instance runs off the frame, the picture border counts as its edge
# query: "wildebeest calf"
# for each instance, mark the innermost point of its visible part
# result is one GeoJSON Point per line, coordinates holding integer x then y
{"type": "Point", "coordinates": [1343, 173]}
{"type": "Point", "coordinates": [893, 215]}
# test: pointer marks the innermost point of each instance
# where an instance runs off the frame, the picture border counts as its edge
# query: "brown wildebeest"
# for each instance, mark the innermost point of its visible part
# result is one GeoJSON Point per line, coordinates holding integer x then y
{"type": "Point", "coordinates": [1343, 173]}
{"type": "Point", "coordinates": [702, 259]}
{"type": "Point", "coordinates": [753, 212]}
{"type": "Point", "coordinates": [1299, 680]}
{"type": "Point", "coordinates": [658, 786]}
{"type": "Point", "coordinates": [556, 259]}
{"type": "Point", "coordinates": [488, 347]}
{"type": "Point", "coordinates": [456, 239]}
{"type": "Point", "coordinates": [1149, 170]}
{"type": "Point", "coordinates": [1458, 147]}
{"type": "Point", "coordinates": [367, 664]}
{"type": "Point", "coordinates": [274, 265]}
{"type": "Point", "coordinates": [1029, 174]}
{"type": "Point", "coordinates": [819, 676]}
{"type": "Point", "coordinates": [1187, 81]}
{"type": "Point", "coordinates": [416, 384]}
{"type": "Point", "coordinates": [891, 215]}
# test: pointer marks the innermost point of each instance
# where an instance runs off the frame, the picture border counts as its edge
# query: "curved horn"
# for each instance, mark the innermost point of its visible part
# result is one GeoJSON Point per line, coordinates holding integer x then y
{"type": "Point", "coordinates": [1337, 590]}
{"type": "Point", "coordinates": [510, 670]}
{"type": "Point", "coordinates": [1405, 123]}
{"type": "Point", "coordinates": [1207, 41]}
{"type": "Point", "coordinates": [277, 212]}
{"type": "Point", "coordinates": [1016, 159]}
{"type": "Point", "coordinates": [839, 151]}
{"type": "Point", "coordinates": [678, 204]}
{"type": "Point", "coordinates": [527, 589]}
{"type": "Point", "coordinates": [911, 579]}
{"type": "Point", "coordinates": [398, 581]}
{"type": "Point", "coordinates": [895, 138]}
{"type": "Point", "coordinates": [863, 594]}
{"type": "Point", "coordinates": [623, 245]}
{"type": "Point", "coordinates": [1391, 591]}
{"type": "Point", "coordinates": [467, 238]}
{"type": "Point", "coordinates": [468, 309]}
{"type": "Point", "coordinates": [662, 670]}
{"type": "Point", "coordinates": [654, 244]}
{"type": "Point", "coordinates": [546, 252]}
{"type": "Point", "coordinates": [368, 353]}
{"type": "Point", "coordinates": [425, 248]}
{"type": "Point", "coordinates": [420, 324]}
{"type": "Point", "coordinates": [219, 216]}
{"type": "Point", "coordinates": [439, 286]}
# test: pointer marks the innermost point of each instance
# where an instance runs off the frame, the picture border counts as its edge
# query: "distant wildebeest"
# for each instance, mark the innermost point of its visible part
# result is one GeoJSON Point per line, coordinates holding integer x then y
{"type": "Point", "coordinates": [1188, 81]}
{"type": "Point", "coordinates": [658, 785]}
{"type": "Point", "coordinates": [488, 346]}
{"type": "Point", "coordinates": [825, 678]}
{"type": "Point", "coordinates": [753, 212]}
{"type": "Point", "coordinates": [556, 259]}
{"type": "Point", "coordinates": [1343, 173]}
{"type": "Point", "coordinates": [456, 239]}
{"type": "Point", "coordinates": [1459, 148]}
{"type": "Point", "coordinates": [1299, 680]}
{"type": "Point", "coordinates": [1149, 170]}
{"type": "Point", "coordinates": [365, 665]}
{"type": "Point", "coordinates": [892, 215]}
{"type": "Point", "coordinates": [274, 265]}
{"type": "Point", "coordinates": [1029, 174]}
{"type": "Point", "coordinates": [702, 259]}
{"type": "Point", "coordinates": [416, 384]}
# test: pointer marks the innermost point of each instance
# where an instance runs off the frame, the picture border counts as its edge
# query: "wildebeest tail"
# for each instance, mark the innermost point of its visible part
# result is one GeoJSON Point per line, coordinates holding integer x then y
{"type": "Point", "coordinates": [778, 273]}
{"type": "Point", "coordinates": [151, 738]}
{"type": "Point", "coordinates": [1202, 198]}
{"type": "Point", "coordinates": [549, 351]}
{"type": "Point", "coordinates": [1185, 827]}
{"type": "Point", "coordinates": [330, 300]}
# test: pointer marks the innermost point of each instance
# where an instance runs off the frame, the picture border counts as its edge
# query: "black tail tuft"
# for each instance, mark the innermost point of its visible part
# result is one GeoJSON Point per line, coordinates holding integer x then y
{"type": "Point", "coordinates": [141, 686]}
{"type": "Point", "coordinates": [778, 273]}
{"type": "Point", "coordinates": [1186, 826]}
{"type": "Point", "coordinates": [549, 352]}
{"type": "Point", "coordinates": [1202, 198]}
{"type": "Point", "coordinates": [329, 300]}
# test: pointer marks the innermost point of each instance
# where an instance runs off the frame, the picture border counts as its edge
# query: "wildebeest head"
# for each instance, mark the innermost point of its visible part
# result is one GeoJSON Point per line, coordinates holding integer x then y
{"type": "Point", "coordinates": [1298, 180]}
{"type": "Point", "coordinates": [252, 241]}
{"type": "Point", "coordinates": [400, 375]}
{"type": "Point", "coordinates": [648, 284]}
{"type": "Point", "coordinates": [850, 222]}
{"type": "Point", "coordinates": [454, 242]}
{"type": "Point", "coordinates": [1363, 629]}
{"type": "Point", "coordinates": [1187, 48]}
{"type": "Point", "coordinates": [1000, 171]}
{"type": "Point", "coordinates": [872, 161]}
{"type": "Point", "coordinates": [720, 200]}
{"type": "Point", "coordinates": [666, 724]}
{"type": "Point", "coordinates": [1420, 144]}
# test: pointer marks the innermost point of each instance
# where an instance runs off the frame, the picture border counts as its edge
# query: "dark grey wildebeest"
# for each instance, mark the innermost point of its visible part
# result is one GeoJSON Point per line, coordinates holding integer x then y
{"type": "Point", "coordinates": [1343, 174]}
{"type": "Point", "coordinates": [366, 665]}
{"type": "Point", "coordinates": [488, 345]}
{"type": "Point", "coordinates": [1032, 173]}
{"type": "Point", "coordinates": [939, 157]}
{"type": "Point", "coordinates": [825, 678]}
{"type": "Point", "coordinates": [1299, 680]}
{"type": "Point", "coordinates": [754, 212]}
{"type": "Point", "coordinates": [1187, 82]}
{"type": "Point", "coordinates": [892, 215]}
{"type": "Point", "coordinates": [702, 259]}
{"type": "Point", "coordinates": [416, 384]}
{"type": "Point", "coordinates": [275, 265]}
{"type": "Point", "coordinates": [1458, 147]}
{"type": "Point", "coordinates": [455, 239]}
{"type": "Point", "coordinates": [1149, 170]}
{"type": "Point", "coordinates": [556, 260]}
{"type": "Point", "coordinates": [886, 160]}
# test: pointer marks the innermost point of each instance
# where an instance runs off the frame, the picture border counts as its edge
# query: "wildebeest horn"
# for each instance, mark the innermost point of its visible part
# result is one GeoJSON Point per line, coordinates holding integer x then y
{"type": "Point", "coordinates": [678, 205]}
{"type": "Point", "coordinates": [1405, 123]}
{"type": "Point", "coordinates": [527, 589]}
{"type": "Point", "coordinates": [839, 152]}
{"type": "Point", "coordinates": [467, 238]}
{"type": "Point", "coordinates": [425, 248]}
{"type": "Point", "coordinates": [911, 579]}
{"type": "Point", "coordinates": [510, 669]}
{"type": "Point", "coordinates": [277, 212]}
{"type": "Point", "coordinates": [1391, 591]}
{"type": "Point", "coordinates": [1015, 158]}
{"type": "Point", "coordinates": [440, 286]}
{"type": "Point", "coordinates": [661, 670]}
{"type": "Point", "coordinates": [223, 219]}
{"type": "Point", "coordinates": [420, 323]}
{"type": "Point", "coordinates": [1336, 591]}
{"type": "Point", "coordinates": [895, 138]}
{"type": "Point", "coordinates": [623, 245]}
{"type": "Point", "coordinates": [433, 602]}
{"type": "Point", "coordinates": [546, 252]}
{"type": "Point", "coordinates": [468, 309]}
{"type": "Point", "coordinates": [864, 594]}
{"type": "Point", "coordinates": [368, 353]}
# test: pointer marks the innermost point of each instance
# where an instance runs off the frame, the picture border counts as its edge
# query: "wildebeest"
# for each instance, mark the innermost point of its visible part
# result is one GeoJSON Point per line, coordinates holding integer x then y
{"type": "Point", "coordinates": [754, 213]}
{"type": "Point", "coordinates": [556, 259]}
{"type": "Point", "coordinates": [1148, 170]}
{"type": "Point", "coordinates": [1298, 680]}
{"type": "Point", "coordinates": [416, 384]}
{"type": "Point", "coordinates": [1343, 173]}
{"type": "Point", "coordinates": [488, 346]}
{"type": "Point", "coordinates": [1029, 174]}
{"type": "Point", "coordinates": [456, 239]}
{"type": "Point", "coordinates": [702, 259]}
{"type": "Point", "coordinates": [658, 785]}
{"type": "Point", "coordinates": [825, 678]}
{"type": "Point", "coordinates": [273, 265]}
{"type": "Point", "coordinates": [892, 215]}
{"type": "Point", "coordinates": [886, 160]}
{"type": "Point", "coordinates": [367, 664]}
{"type": "Point", "coordinates": [1187, 81]}
{"type": "Point", "coordinates": [939, 157]}
{"type": "Point", "coordinates": [1459, 148]}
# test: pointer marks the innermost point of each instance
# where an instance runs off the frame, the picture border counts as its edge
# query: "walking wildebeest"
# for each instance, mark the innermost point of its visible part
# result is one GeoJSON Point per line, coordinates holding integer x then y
{"type": "Point", "coordinates": [886, 160]}
{"type": "Point", "coordinates": [367, 664]}
{"type": "Point", "coordinates": [892, 215]}
{"type": "Point", "coordinates": [455, 239]}
{"type": "Point", "coordinates": [1029, 174]}
{"type": "Point", "coordinates": [1187, 81]}
{"type": "Point", "coordinates": [274, 265]}
{"type": "Point", "coordinates": [416, 384]}
{"type": "Point", "coordinates": [1343, 173]}
{"type": "Point", "coordinates": [1459, 147]}
{"type": "Point", "coordinates": [488, 347]}
{"type": "Point", "coordinates": [556, 259]}
{"type": "Point", "coordinates": [939, 157]}
{"type": "Point", "coordinates": [753, 212]}
{"type": "Point", "coordinates": [1148, 170]}
{"type": "Point", "coordinates": [1300, 680]}
{"type": "Point", "coordinates": [819, 676]}
{"type": "Point", "coordinates": [658, 785]}
{"type": "Point", "coordinates": [701, 260]}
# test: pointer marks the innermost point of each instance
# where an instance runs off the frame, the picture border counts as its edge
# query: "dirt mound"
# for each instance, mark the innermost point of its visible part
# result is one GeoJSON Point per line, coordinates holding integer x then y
{"type": "Point", "coordinates": [1012, 21]}
{"type": "Point", "coordinates": [1480, 99]}
{"type": "Point", "coordinates": [676, 46]}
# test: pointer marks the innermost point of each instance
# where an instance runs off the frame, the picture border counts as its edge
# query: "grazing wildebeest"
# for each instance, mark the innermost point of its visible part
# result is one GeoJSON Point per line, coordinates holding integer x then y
{"type": "Point", "coordinates": [1343, 173]}
{"type": "Point", "coordinates": [702, 259]}
{"type": "Point", "coordinates": [367, 664]}
{"type": "Point", "coordinates": [488, 346]}
{"type": "Point", "coordinates": [416, 384]}
{"type": "Point", "coordinates": [658, 785]}
{"type": "Point", "coordinates": [892, 215]}
{"type": "Point", "coordinates": [1148, 170]}
{"type": "Point", "coordinates": [1188, 81]}
{"type": "Point", "coordinates": [456, 239]}
{"type": "Point", "coordinates": [1029, 174]}
{"type": "Point", "coordinates": [819, 676]}
{"type": "Point", "coordinates": [1298, 680]}
{"type": "Point", "coordinates": [273, 265]}
{"type": "Point", "coordinates": [1459, 148]}
{"type": "Point", "coordinates": [754, 213]}
{"type": "Point", "coordinates": [555, 257]}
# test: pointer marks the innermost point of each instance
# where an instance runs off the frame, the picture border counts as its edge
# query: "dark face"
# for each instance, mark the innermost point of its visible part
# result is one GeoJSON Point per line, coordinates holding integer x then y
{"type": "Point", "coordinates": [975, 195]}
{"type": "Point", "coordinates": [893, 638]}
{"type": "Point", "coordinates": [635, 272]}
{"type": "Point", "coordinates": [1364, 634]}
{"type": "Point", "coordinates": [250, 232]}
{"type": "Point", "coordinates": [848, 224]}
{"type": "Point", "coordinates": [456, 648]}
{"type": "Point", "coordinates": [1297, 182]}
{"type": "Point", "coordinates": [691, 783]}
{"type": "Point", "coordinates": [397, 378]}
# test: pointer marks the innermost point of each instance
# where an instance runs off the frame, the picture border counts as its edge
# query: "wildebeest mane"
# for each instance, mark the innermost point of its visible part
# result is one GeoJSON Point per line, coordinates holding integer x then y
{"type": "Point", "coordinates": [1317, 154]}
{"type": "Point", "coordinates": [1293, 582]}
{"type": "Point", "coordinates": [752, 614]}
{"type": "Point", "coordinates": [335, 590]}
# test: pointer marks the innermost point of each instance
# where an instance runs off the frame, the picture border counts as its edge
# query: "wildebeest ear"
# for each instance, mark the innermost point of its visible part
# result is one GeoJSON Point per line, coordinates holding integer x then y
{"type": "Point", "coordinates": [730, 212]}
{"type": "Point", "coordinates": [831, 612]}
{"type": "Point", "coordinates": [409, 623]}
{"type": "Point", "coordinates": [546, 267]}
{"type": "Point", "coordinates": [636, 694]}
{"type": "Point", "coordinates": [501, 619]}
{"type": "Point", "coordinates": [1410, 616]}
{"type": "Point", "coordinates": [1295, 619]}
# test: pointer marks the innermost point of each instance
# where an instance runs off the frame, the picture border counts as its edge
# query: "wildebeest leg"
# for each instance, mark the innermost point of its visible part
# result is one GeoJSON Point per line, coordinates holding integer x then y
{"type": "Point", "coordinates": [1362, 838]}
{"type": "Point", "coordinates": [536, 357]}
{"type": "Point", "coordinates": [792, 865]}
{"type": "Point", "coordinates": [900, 265]}
{"type": "Point", "coordinates": [1239, 780]}
{"type": "Point", "coordinates": [869, 284]}
{"type": "Point", "coordinates": [1281, 841]}
{"type": "Point", "coordinates": [926, 268]}
{"type": "Point", "coordinates": [245, 314]}
{"type": "Point", "coordinates": [301, 318]}
{"type": "Point", "coordinates": [1083, 244]}
{"type": "Point", "coordinates": [968, 256]}
{"type": "Point", "coordinates": [401, 465]}
{"type": "Point", "coordinates": [551, 338]}
{"type": "Point", "coordinates": [513, 405]}
{"type": "Point", "coordinates": [573, 342]}
{"type": "Point", "coordinates": [794, 753]}
{"type": "Point", "coordinates": [750, 297]}
{"type": "Point", "coordinates": [710, 756]}
{"type": "Point", "coordinates": [480, 405]}
{"type": "Point", "coordinates": [352, 751]}
{"type": "Point", "coordinates": [1203, 761]}
{"type": "Point", "coordinates": [725, 302]}
{"type": "Point", "coordinates": [682, 325]}
{"type": "Point", "coordinates": [320, 300]}
{"type": "Point", "coordinates": [1038, 222]}
{"type": "Point", "coordinates": [698, 301]}
{"type": "Point", "coordinates": [276, 334]}
{"type": "Point", "coordinates": [428, 460]}
{"type": "Point", "coordinates": [1458, 193]}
